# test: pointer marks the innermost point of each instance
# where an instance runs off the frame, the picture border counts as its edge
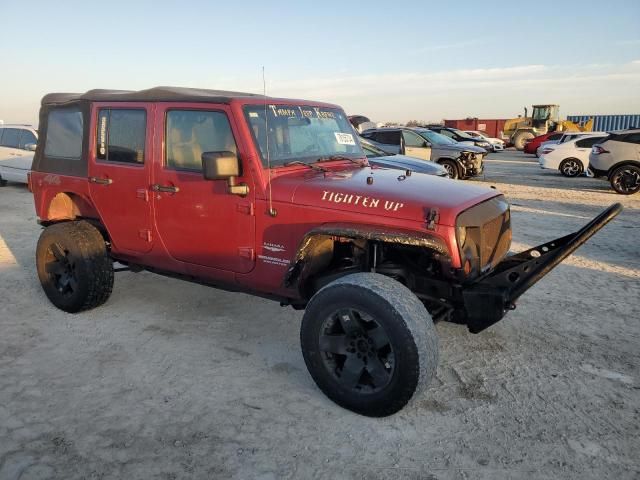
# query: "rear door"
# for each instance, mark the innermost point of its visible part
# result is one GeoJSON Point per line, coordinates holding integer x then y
{"type": "Point", "coordinates": [119, 172]}
{"type": "Point", "coordinates": [415, 146]}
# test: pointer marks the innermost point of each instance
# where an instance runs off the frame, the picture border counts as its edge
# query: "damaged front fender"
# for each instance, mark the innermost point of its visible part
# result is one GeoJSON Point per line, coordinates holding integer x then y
{"type": "Point", "coordinates": [315, 243]}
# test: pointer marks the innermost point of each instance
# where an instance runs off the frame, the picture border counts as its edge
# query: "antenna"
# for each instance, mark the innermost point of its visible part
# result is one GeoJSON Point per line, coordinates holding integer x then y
{"type": "Point", "coordinates": [272, 211]}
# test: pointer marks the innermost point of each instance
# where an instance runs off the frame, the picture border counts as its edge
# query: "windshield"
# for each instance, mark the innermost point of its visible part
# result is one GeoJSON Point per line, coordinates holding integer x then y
{"type": "Point", "coordinates": [434, 137]}
{"type": "Point", "coordinates": [463, 134]}
{"type": "Point", "coordinates": [541, 113]}
{"type": "Point", "coordinates": [301, 133]}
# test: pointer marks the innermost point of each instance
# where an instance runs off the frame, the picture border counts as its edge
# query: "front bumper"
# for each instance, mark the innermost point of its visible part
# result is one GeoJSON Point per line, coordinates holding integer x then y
{"type": "Point", "coordinates": [488, 299]}
{"type": "Point", "coordinates": [473, 165]}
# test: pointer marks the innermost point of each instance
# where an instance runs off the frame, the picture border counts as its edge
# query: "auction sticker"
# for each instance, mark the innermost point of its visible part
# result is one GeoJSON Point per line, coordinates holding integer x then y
{"type": "Point", "coordinates": [344, 138]}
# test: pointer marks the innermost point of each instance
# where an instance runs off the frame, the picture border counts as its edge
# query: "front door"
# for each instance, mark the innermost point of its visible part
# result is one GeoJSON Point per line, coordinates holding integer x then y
{"type": "Point", "coordinates": [119, 173]}
{"type": "Point", "coordinates": [415, 146]}
{"type": "Point", "coordinates": [198, 220]}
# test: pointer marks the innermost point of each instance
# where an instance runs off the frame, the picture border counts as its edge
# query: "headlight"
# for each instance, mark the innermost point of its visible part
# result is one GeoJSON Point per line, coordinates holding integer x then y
{"type": "Point", "coordinates": [483, 144]}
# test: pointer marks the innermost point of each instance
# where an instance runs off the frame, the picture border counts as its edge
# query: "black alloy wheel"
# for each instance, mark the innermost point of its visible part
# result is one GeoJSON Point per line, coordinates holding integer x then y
{"type": "Point", "coordinates": [626, 179]}
{"type": "Point", "coordinates": [356, 351]}
{"type": "Point", "coordinates": [62, 268]}
{"type": "Point", "coordinates": [571, 167]}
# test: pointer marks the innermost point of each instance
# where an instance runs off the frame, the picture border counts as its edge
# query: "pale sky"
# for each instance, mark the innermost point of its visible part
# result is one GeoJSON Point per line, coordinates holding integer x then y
{"type": "Point", "coordinates": [389, 61]}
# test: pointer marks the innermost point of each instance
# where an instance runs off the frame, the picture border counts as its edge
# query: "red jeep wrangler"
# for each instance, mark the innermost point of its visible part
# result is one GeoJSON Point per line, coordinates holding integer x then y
{"type": "Point", "coordinates": [275, 197]}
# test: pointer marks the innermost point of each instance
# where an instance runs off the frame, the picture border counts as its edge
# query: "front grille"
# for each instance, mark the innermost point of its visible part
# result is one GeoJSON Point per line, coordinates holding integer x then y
{"type": "Point", "coordinates": [488, 234]}
{"type": "Point", "coordinates": [496, 240]}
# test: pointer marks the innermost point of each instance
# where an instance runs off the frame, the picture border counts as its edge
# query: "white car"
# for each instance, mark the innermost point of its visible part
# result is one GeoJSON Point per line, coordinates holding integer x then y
{"type": "Point", "coordinates": [17, 144]}
{"type": "Point", "coordinates": [570, 157]}
{"type": "Point", "coordinates": [567, 136]}
{"type": "Point", "coordinates": [496, 143]}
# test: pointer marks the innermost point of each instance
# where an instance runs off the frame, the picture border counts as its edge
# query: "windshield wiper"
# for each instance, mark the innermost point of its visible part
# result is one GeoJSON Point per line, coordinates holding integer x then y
{"type": "Point", "coordinates": [331, 158]}
{"type": "Point", "coordinates": [311, 166]}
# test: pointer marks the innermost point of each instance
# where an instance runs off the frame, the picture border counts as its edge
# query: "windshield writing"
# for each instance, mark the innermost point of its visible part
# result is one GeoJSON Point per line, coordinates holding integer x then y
{"type": "Point", "coordinates": [301, 133]}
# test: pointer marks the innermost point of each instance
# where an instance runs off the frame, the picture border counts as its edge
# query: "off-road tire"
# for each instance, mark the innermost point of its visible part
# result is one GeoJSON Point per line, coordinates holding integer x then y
{"type": "Point", "coordinates": [617, 179]}
{"type": "Point", "coordinates": [410, 334]}
{"type": "Point", "coordinates": [79, 275]}
{"type": "Point", "coordinates": [571, 167]}
{"type": "Point", "coordinates": [520, 138]}
{"type": "Point", "coordinates": [452, 168]}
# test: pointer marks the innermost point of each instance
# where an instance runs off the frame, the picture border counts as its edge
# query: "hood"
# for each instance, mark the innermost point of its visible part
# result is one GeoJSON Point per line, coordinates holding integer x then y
{"type": "Point", "coordinates": [390, 193]}
{"type": "Point", "coordinates": [402, 162]}
{"type": "Point", "coordinates": [459, 147]}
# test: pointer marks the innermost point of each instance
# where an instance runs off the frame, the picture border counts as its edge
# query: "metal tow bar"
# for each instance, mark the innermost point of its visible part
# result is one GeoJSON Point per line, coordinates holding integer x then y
{"type": "Point", "coordinates": [487, 300]}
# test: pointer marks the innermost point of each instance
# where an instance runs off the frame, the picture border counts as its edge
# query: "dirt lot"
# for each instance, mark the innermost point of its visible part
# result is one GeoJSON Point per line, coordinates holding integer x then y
{"type": "Point", "coordinates": [172, 380]}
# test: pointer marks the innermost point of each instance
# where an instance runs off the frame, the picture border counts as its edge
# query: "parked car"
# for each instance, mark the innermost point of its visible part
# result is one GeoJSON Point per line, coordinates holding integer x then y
{"type": "Point", "coordinates": [571, 157]}
{"type": "Point", "coordinates": [460, 136]}
{"type": "Point", "coordinates": [17, 144]}
{"type": "Point", "coordinates": [617, 158]}
{"type": "Point", "coordinates": [497, 145]}
{"type": "Point", "coordinates": [274, 197]}
{"type": "Point", "coordinates": [531, 146]}
{"type": "Point", "coordinates": [460, 161]}
{"type": "Point", "coordinates": [380, 158]}
{"type": "Point", "coordinates": [566, 136]}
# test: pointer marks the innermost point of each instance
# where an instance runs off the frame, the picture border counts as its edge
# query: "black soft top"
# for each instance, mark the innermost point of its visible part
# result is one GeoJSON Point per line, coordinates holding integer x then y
{"type": "Point", "coordinates": [156, 94]}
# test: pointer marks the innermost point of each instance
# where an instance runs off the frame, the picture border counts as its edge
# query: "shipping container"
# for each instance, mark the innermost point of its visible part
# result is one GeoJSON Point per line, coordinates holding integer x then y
{"type": "Point", "coordinates": [492, 127]}
{"type": "Point", "coordinates": [607, 123]}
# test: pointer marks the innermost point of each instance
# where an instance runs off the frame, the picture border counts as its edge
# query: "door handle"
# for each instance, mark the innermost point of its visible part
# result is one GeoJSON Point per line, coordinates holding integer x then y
{"type": "Point", "coordinates": [165, 188]}
{"type": "Point", "coordinates": [101, 181]}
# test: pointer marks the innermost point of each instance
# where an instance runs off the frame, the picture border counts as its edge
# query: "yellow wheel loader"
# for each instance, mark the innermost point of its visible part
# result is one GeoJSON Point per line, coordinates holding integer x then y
{"type": "Point", "coordinates": [543, 119]}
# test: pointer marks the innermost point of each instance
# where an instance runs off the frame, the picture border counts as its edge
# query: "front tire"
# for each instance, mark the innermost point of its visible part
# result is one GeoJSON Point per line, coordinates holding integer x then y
{"type": "Point", "coordinates": [571, 167]}
{"type": "Point", "coordinates": [520, 138]}
{"type": "Point", "coordinates": [451, 167]}
{"type": "Point", "coordinates": [369, 343]}
{"type": "Point", "coordinates": [626, 179]}
{"type": "Point", "coordinates": [74, 268]}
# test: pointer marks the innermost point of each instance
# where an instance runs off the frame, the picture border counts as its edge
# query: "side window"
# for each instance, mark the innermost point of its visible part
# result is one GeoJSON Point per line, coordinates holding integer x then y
{"type": "Point", "coordinates": [388, 137]}
{"type": "Point", "coordinates": [64, 134]}
{"type": "Point", "coordinates": [26, 138]}
{"type": "Point", "coordinates": [555, 136]}
{"type": "Point", "coordinates": [632, 138]}
{"type": "Point", "coordinates": [121, 135]}
{"type": "Point", "coordinates": [190, 133]}
{"type": "Point", "coordinates": [412, 140]}
{"type": "Point", "coordinates": [588, 142]}
{"type": "Point", "coordinates": [11, 137]}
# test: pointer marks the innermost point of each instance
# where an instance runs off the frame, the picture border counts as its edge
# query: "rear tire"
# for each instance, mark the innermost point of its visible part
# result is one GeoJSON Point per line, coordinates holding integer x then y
{"type": "Point", "coordinates": [626, 179]}
{"type": "Point", "coordinates": [451, 166]}
{"type": "Point", "coordinates": [369, 343]}
{"type": "Point", "coordinates": [520, 138]}
{"type": "Point", "coordinates": [571, 167]}
{"type": "Point", "coordinates": [74, 268]}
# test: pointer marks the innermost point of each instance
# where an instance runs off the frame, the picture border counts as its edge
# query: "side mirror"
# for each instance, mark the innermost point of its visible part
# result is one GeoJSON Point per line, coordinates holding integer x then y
{"type": "Point", "coordinates": [223, 166]}
{"type": "Point", "coordinates": [426, 144]}
{"type": "Point", "coordinates": [30, 146]}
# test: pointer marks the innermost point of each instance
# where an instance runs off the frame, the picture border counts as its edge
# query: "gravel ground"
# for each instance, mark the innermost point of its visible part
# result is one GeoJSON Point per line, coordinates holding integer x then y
{"type": "Point", "coordinates": [173, 380]}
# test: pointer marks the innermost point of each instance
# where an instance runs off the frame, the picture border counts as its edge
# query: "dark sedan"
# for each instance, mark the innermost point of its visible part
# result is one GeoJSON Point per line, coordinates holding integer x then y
{"type": "Point", "coordinates": [380, 158]}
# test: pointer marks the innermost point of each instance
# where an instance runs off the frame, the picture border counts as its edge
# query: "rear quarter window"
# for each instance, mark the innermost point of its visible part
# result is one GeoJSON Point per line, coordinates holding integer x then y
{"type": "Point", "coordinates": [589, 142]}
{"type": "Point", "coordinates": [64, 134]}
